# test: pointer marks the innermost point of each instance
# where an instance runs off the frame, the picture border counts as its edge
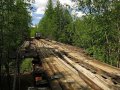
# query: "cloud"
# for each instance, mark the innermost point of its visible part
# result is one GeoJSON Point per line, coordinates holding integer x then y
{"type": "Point", "coordinates": [39, 7]}
{"type": "Point", "coordinates": [38, 10]}
{"type": "Point", "coordinates": [68, 2]}
{"type": "Point", "coordinates": [80, 14]}
{"type": "Point", "coordinates": [35, 20]}
{"type": "Point", "coordinates": [37, 17]}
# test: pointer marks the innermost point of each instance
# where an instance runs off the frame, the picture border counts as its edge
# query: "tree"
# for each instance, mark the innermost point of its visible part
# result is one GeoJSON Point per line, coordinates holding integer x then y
{"type": "Point", "coordinates": [98, 32]}
{"type": "Point", "coordinates": [14, 29]}
{"type": "Point", "coordinates": [46, 26]}
{"type": "Point", "coordinates": [106, 31]}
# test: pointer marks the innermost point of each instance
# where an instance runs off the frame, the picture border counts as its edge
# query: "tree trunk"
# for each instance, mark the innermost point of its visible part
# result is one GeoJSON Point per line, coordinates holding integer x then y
{"type": "Point", "coordinates": [118, 29]}
{"type": "Point", "coordinates": [15, 75]}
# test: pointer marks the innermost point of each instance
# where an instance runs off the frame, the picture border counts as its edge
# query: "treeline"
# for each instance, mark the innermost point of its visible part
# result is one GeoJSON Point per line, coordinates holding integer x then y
{"type": "Point", "coordinates": [55, 23]}
{"type": "Point", "coordinates": [15, 22]}
{"type": "Point", "coordinates": [98, 32]}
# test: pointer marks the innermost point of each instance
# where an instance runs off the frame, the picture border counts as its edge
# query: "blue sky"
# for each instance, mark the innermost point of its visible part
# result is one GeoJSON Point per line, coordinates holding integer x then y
{"type": "Point", "coordinates": [38, 9]}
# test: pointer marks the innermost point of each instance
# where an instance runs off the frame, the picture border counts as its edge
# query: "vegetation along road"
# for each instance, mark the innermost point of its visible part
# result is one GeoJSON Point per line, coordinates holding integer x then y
{"type": "Point", "coordinates": [73, 47]}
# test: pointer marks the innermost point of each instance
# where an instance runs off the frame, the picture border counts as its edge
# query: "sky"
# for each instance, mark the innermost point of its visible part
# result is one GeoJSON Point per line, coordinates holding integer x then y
{"type": "Point", "coordinates": [38, 9]}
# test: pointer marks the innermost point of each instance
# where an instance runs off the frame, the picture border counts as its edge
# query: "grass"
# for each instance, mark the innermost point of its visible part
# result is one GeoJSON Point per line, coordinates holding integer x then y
{"type": "Point", "coordinates": [26, 65]}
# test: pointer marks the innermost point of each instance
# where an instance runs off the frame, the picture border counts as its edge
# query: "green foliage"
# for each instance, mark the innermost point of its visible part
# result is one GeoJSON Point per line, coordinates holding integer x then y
{"type": "Point", "coordinates": [98, 32]}
{"type": "Point", "coordinates": [102, 30]}
{"type": "Point", "coordinates": [26, 65]}
{"type": "Point", "coordinates": [33, 30]}
{"type": "Point", "coordinates": [15, 21]}
{"type": "Point", "coordinates": [14, 28]}
{"type": "Point", "coordinates": [55, 22]}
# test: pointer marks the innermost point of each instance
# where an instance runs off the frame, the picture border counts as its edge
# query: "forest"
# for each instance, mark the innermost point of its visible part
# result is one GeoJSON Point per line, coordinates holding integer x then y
{"type": "Point", "coordinates": [97, 32]}
{"type": "Point", "coordinates": [15, 22]}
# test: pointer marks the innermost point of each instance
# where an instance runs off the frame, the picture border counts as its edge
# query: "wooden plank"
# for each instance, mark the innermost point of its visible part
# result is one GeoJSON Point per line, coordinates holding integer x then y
{"type": "Point", "coordinates": [54, 84]}
{"type": "Point", "coordinates": [89, 77]}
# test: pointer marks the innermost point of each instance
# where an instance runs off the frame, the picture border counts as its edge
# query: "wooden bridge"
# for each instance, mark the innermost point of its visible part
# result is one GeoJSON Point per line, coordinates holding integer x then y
{"type": "Point", "coordinates": [70, 68]}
